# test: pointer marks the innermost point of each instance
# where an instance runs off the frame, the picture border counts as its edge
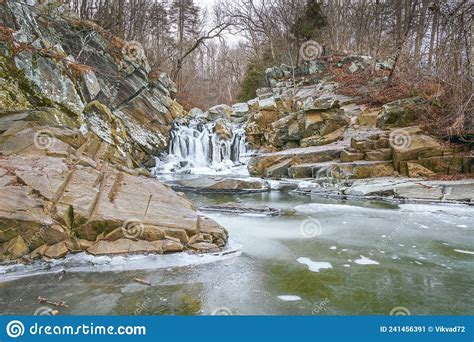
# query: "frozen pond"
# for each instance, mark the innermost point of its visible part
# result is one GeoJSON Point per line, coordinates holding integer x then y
{"type": "Point", "coordinates": [323, 257]}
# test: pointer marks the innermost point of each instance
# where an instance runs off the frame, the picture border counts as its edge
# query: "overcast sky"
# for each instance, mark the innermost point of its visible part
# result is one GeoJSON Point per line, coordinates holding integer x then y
{"type": "Point", "coordinates": [203, 3]}
{"type": "Point", "coordinates": [233, 39]}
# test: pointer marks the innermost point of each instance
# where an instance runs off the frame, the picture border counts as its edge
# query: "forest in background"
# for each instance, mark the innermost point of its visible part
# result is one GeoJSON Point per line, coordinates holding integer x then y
{"type": "Point", "coordinates": [430, 42]}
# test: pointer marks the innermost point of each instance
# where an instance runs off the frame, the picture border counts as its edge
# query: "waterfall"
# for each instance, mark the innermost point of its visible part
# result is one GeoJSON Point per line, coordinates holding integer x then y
{"type": "Point", "coordinates": [195, 147]}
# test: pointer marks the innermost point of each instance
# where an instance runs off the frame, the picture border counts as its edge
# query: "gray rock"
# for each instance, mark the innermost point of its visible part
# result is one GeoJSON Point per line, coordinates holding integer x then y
{"type": "Point", "coordinates": [223, 185]}
{"type": "Point", "coordinates": [242, 208]}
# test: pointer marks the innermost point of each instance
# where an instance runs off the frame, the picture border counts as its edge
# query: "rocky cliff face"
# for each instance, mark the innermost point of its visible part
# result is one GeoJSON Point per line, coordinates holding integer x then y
{"type": "Point", "coordinates": [307, 129]}
{"type": "Point", "coordinates": [53, 59]}
{"type": "Point", "coordinates": [81, 117]}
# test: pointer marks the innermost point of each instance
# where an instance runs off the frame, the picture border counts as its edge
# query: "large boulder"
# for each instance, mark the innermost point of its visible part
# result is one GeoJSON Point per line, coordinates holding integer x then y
{"type": "Point", "coordinates": [400, 113]}
{"type": "Point", "coordinates": [240, 112]}
{"type": "Point", "coordinates": [259, 165]}
{"type": "Point", "coordinates": [223, 130]}
{"type": "Point", "coordinates": [57, 196]}
{"type": "Point", "coordinates": [219, 112]}
{"type": "Point", "coordinates": [284, 130]}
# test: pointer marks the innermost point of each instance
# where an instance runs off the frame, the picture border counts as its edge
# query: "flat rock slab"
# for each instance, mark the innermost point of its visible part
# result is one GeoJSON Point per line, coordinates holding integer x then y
{"type": "Point", "coordinates": [242, 208]}
{"type": "Point", "coordinates": [222, 185]}
{"type": "Point", "coordinates": [65, 207]}
{"type": "Point", "coordinates": [258, 165]}
{"type": "Point", "coordinates": [414, 189]}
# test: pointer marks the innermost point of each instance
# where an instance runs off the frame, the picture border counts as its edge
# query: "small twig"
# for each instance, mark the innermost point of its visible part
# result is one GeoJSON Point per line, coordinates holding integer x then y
{"type": "Point", "coordinates": [143, 282]}
{"type": "Point", "coordinates": [61, 304]}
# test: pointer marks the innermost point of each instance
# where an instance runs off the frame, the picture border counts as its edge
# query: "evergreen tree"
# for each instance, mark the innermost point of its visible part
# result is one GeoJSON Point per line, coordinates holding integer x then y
{"type": "Point", "coordinates": [307, 26]}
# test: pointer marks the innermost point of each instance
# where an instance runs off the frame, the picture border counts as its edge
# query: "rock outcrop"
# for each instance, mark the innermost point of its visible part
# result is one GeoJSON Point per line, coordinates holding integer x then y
{"type": "Point", "coordinates": [81, 70]}
{"type": "Point", "coordinates": [302, 128]}
{"type": "Point", "coordinates": [76, 140]}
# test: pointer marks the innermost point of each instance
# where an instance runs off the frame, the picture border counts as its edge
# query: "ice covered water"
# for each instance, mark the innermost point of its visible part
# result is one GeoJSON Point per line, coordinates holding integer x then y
{"type": "Point", "coordinates": [385, 257]}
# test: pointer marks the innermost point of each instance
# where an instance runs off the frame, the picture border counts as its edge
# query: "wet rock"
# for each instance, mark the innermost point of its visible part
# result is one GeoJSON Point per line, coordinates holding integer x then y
{"type": "Point", "coordinates": [120, 80]}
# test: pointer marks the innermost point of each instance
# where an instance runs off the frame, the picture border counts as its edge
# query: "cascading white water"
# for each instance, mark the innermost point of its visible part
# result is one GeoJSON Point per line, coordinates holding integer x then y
{"type": "Point", "coordinates": [196, 148]}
